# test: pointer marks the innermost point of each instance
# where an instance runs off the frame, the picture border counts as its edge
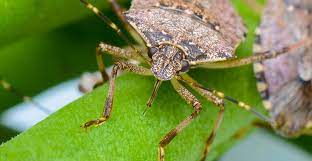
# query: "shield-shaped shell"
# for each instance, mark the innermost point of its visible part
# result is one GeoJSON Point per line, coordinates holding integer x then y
{"type": "Point", "coordinates": [206, 30]}
{"type": "Point", "coordinates": [195, 31]}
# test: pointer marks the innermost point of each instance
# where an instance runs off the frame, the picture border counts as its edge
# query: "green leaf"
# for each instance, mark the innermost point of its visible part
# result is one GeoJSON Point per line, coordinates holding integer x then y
{"type": "Point", "coordinates": [128, 135]}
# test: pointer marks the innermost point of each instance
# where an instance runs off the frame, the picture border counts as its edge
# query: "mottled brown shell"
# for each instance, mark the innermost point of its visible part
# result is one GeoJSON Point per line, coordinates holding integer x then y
{"type": "Point", "coordinates": [215, 12]}
{"type": "Point", "coordinates": [206, 30]}
{"type": "Point", "coordinates": [139, 4]}
{"type": "Point", "coordinates": [285, 82]}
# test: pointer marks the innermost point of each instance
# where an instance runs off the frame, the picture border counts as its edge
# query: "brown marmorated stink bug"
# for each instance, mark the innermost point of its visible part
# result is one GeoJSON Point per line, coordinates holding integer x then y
{"type": "Point", "coordinates": [285, 83]}
{"type": "Point", "coordinates": [179, 35]}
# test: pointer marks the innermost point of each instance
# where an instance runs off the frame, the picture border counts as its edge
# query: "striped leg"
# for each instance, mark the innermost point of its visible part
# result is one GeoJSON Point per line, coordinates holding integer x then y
{"type": "Point", "coordinates": [114, 27]}
{"type": "Point", "coordinates": [190, 99]}
{"type": "Point", "coordinates": [217, 98]}
{"type": "Point", "coordinates": [89, 81]}
{"type": "Point", "coordinates": [125, 66]}
{"type": "Point", "coordinates": [221, 95]}
{"type": "Point", "coordinates": [213, 133]}
{"type": "Point", "coordinates": [254, 58]}
{"type": "Point", "coordinates": [9, 88]}
{"type": "Point", "coordinates": [118, 10]}
{"type": "Point", "coordinates": [116, 52]}
{"type": "Point", "coordinates": [219, 102]}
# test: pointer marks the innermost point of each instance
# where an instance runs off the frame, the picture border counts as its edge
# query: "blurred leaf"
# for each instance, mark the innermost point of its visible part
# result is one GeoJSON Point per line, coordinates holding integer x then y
{"type": "Point", "coordinates": [6, 134]}
{"type": "Point", "coordinates": [24, 18]}
{"type": "Point", "coordinates": [303, 142]}
{"type": "Point", "coordinates": [38, 62]}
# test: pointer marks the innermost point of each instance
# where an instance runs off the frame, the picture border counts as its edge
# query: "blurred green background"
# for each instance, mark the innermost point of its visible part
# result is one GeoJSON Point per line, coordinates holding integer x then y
{"type": "Point", "coordinates": [36, 52]}
{"type": "Point", "coordinates": [43, 43]}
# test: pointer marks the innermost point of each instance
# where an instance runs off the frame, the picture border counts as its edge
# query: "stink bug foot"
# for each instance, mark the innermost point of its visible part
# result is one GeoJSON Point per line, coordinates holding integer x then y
{"type": "Point", "coordinates": [96, 122]}
{"type": "Point", "coordinates": [119, 66]}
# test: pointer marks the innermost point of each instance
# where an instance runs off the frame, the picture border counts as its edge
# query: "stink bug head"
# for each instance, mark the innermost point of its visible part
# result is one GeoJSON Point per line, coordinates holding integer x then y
{"type": "Point", "coordinates": [167, 61]}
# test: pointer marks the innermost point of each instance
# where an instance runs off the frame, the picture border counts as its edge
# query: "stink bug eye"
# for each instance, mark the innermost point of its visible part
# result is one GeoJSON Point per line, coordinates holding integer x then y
{"type": "Point", "coordinates": [152, 51]}
{"type": "Point", "coordinates": [185, 66]}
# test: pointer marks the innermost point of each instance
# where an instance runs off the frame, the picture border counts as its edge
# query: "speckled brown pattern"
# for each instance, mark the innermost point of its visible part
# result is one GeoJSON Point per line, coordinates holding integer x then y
{"type": "Point", "coordinates": [201, 43]}
{"type": "Point", "coordinates": [145, 4]}
{"type": "Point", "coordinates": [201, 31]}
{"type": "Point", "coordinates": [288, 77]}
{"type": "Point", "coordinates": [218, 13]}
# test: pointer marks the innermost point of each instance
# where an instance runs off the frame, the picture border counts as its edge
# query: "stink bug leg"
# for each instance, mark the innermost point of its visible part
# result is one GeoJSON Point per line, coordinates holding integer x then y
{"type": "Point", "coordinates": [89, 81]}
{"type": "Point", "coordinates": [217, 98]}
{"type": "Point", "coordinates": [109, 100]}
{"type": "Point", "coordinates": [134, 53]}
{"type": "Point", "coordinates": [190, 99]}
{"type": "Point", "coordinates": [259, 56]}
{"type": "Point", "coordinates": [113, 25]}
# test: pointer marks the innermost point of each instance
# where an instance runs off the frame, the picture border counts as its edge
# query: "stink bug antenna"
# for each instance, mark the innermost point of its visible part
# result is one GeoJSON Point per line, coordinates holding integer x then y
{"type": "Point", "coordinates": [151, 99]}
{"type": "Point", "coordinates": [243, 105]}
{"type": "Point", "coordinates": [251, 109]}
{"type": "Point", "coordinates": [9, 88]}
{"type": "Point", "coordinates": [113, 26]}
